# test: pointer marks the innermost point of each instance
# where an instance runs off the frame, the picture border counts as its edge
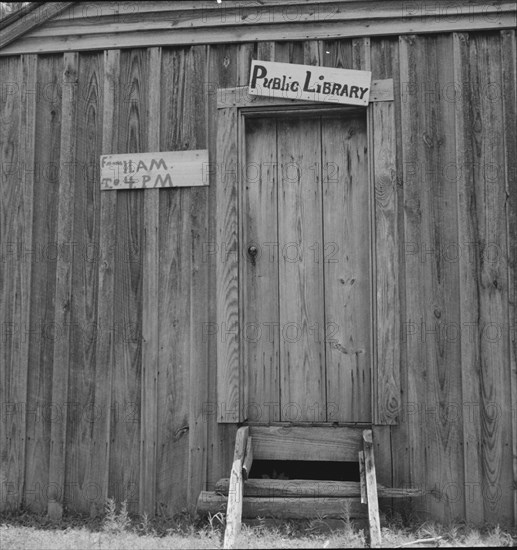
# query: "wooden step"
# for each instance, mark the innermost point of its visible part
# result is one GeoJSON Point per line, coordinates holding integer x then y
{"type": "Point", "coordinates": [330, 444]}
{"type": "Point", "coordinates": [295, 488]}
{"type": "Point", "coordinates": [286, 508]}
{"type": "Point", "coordinates": [297, 499]}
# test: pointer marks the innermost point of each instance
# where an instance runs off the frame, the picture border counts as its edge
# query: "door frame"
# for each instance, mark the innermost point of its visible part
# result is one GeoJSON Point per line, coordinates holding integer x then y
{"type": "Point", "coordinates": [234, 105]}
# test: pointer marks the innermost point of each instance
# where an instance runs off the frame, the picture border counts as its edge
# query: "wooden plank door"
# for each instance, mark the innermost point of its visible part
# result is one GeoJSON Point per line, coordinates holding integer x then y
{"type": "Point", "coordinates": [306, 277]}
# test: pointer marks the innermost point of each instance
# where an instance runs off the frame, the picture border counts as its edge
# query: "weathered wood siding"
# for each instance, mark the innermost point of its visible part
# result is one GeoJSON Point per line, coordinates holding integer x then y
{"type": "Point", "coordinates": [79, 26]}
{"type": "Point", "coordinates": [108, 370]}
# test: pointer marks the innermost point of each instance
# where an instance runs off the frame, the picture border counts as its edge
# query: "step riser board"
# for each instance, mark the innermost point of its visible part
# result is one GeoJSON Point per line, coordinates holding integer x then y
{"type": "Point", "coordinates": [328, 444]}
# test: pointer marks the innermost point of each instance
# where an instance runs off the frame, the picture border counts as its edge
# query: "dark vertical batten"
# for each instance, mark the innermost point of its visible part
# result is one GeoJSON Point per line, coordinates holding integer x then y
{"type": "Point", "coordinates": [12, 377]}
{"type": "Point", "coordinates": [99, 454]}
{"type": "Point", "coordinates": [63, 298]}
{"type": "Point", "coordinates": [44, 256]}
{"type": "Point", "coordinates": [124, 472]}
{"type": "Point", "coordinates": [85, 258]}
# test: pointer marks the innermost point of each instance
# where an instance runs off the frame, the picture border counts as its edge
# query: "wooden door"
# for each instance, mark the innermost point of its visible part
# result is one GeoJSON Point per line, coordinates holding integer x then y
{"type": "Point", "coordinates": [305, 245]}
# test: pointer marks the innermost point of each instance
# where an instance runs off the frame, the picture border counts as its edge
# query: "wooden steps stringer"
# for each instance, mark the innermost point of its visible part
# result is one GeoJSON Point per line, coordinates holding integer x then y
{"type": "Point", "coordinates": [369, 478]}
{"type": "Point", "coordinates": [236, 488]}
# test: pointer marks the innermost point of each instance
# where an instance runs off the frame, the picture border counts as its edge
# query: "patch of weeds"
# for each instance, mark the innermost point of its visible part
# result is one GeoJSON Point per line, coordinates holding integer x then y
{"type": "Point", "coordinates": [429, 530]}
{"type": "Point", "coordinates": [497, 537]}
{"type": "Point", "coordinates": [348, 524]}
{"type": "Point", "coordinates": [24, 517]}
{"type": "Point", "coordinates": [403, 515]}
{"type": "Point", "coordinates": [183, 523]}
{"type": "Point", "coordinates": [118, 530]}
{"type": "Point", "coordinates": [210, 528]}
{"type": "Point", "coordinates": [261, 526]}
{"type": "Point", "coordinates": [116, 522]}
{"type": "Point", "coordinates": [145, 526]}
{"type": "Point", "coordinates": [453, 534]}
{"type": "Point", "coordinates": [216, 522]}
{"type": "Point", "coordinates": [247, 533]}
{"type": "Point", "coordinates": [317, 524]}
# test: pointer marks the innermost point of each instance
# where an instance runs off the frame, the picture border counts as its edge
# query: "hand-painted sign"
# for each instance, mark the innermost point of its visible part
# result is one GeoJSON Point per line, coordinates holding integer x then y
{"type": "Point", "coordinates": [154, 170]}
{"type": "Point", "coordinates": [311, 83]}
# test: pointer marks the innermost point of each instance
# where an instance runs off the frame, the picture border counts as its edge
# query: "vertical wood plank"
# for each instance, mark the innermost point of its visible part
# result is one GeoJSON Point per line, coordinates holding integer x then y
{"type": "Point", "coordinates": [312, 52]}
{"type": "Point", "coordinates": [261, 334]}
{"type": "Point", "coordinates": [302, 352]}
{"type": "Point", "coordinates": [432, 281]}
{"type": "Point", "coordinates": [174, 308]}
{"type": "Point", "coordinates": [63, 298]}
{"type": "Point", "coordinates": [266, 51]}
{"type": "Point", "coordinates": [43, 255]}
{"type": "Point", "coordinates": [174, 357]}
{"type": "Point", "coordinates": [220, 437]}
{"type": "Point", "coordinates": [126, 389]}
{"type": "Point", "coordinates": [182, 386]}
{"type": "Point", "coordinates": [12, 374]}
{"type": "Point", "coordinates": [346, 264]}
{"type": "Point", "coordinates": [28, 66]}
{"type": "Point", "coordinates": [229, 374]}
{"type": "Point", "coordinates": [387, 380]}
{"type": "Point", "coordinates": [246, 52]}
{"type": "Point", "coordinates": [99, 455]}
{"type": "Point", "coordinates": [336, 53]}
{"type": "Point", "coordinates": [383, 59]}
{"type": "Point", "coordinates": [260, 387]}
{"type": "Point", "coordinates": [390, 445]}
{"type": "Point", "coordinates": [410, 123]}
{"type": "Point", "coordinates": [445, 377]}
{"type": "Point", "coordinates": [398, 436]}
{"type": "Point", "coordinates": [85, 271]}
{"type": "Point", "coordinates": [386, 390]}
{"type": "Point", "coordinates": [228, 367]}
{"type": "Point", "coordinates": [361, 58]}
{"type": "Point", "coordinates": [199, 219]}
{"type": "Point", "coordinates": [469, 275]}
{"type": "Point", "coordinates": [509, 91]}
{"type": "Point", "coordinates": [150, 302]}
{"type": "Point", "coordinates": [490, 239]}
{"type": "Point", "coordinates": [382, 441]}
{"type": "Point", "coordinates": [209, 409]}
{"type": "Point", "coordinates": [289, 52]}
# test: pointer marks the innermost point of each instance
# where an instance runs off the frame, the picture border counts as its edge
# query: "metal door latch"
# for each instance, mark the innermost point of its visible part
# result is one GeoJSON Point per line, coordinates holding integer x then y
{"type": "Point", "coordinates": [252, 252]}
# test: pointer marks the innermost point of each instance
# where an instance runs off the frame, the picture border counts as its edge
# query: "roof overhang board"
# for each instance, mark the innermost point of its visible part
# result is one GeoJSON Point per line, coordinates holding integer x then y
{"type": "Point", "coordinates": [34, 16]}
{"type": "Point", "coordinates": [79, 26]}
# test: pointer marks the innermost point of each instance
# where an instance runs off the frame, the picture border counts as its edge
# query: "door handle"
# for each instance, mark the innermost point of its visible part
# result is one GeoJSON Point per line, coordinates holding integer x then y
{"type": "Point", "coordinates": [252, 253]}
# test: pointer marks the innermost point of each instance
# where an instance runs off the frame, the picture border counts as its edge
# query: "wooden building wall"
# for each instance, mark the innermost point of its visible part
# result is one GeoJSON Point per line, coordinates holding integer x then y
{"type": "Point", "coordinates": [107, 300]}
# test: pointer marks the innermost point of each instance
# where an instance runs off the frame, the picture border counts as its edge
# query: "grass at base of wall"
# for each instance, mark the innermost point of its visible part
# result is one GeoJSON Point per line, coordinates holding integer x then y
{"type": "Point", "coordinates": [119, 530]}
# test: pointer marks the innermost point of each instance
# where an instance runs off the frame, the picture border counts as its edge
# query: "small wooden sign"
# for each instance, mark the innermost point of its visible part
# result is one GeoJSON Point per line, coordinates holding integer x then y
{"type": "Point", "coordinates": [310, 83]}
{"type": "Point", "coordinates": [154, 170]}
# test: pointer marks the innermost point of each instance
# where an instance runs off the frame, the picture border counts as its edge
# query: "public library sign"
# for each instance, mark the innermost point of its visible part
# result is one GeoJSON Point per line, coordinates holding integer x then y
{"type": "Point", "coordinates": [310, 83]}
